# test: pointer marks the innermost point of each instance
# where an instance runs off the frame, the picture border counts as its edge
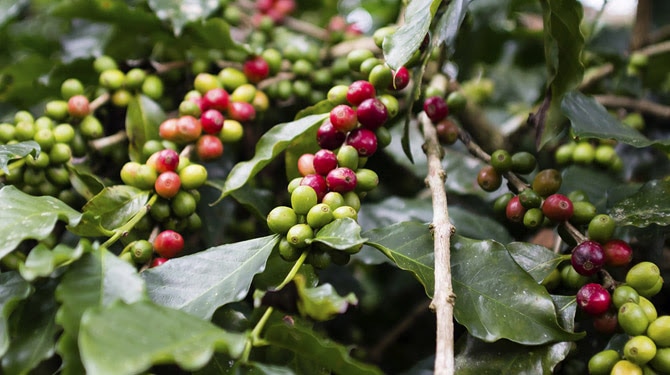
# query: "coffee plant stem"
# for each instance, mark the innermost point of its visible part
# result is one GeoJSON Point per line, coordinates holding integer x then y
{"type": "Point", "coordinates": [127, 227]}
{"type": "Point", "coordinates": [296, 267]}
{"type": "Point", "coordinates": [103, 143]}
{"type": "Point", "coordinates": [99, 101]}
{"type": "Point", "coordinates": [641, 105]}
{"type": "Point", "coordinates": [17, 164]}
{"type": "Point", "coordinates": [443, 301]}
{"type": "Point", "coordinates": [574, 232]}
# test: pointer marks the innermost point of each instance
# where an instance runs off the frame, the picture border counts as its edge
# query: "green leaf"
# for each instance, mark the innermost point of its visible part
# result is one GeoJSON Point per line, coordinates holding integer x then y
{"type": "Point", "coordinates": [13, 289]}
{"type": "Point", "coordinates": [97, 279]}
{"type": "Point", "coordinates": [68, 350]}
{"type": "Point", "coordinates": [180, 13]}
{"type": "Point", "coordinates": [23, 216]}
{"type": "Point", "coordinates": [305, 342]}
{"type": "Point", "coordinates": [478, 226]}
{"type": "Point", "coordinates": [42, 261]}
{"type": "Point", "coordinates": [85, 183]}
{"type": "Point", "coordinates": [590, 119]}
{"type": "Point", "coordinates": [537, 260]}
{"type": "Point", "coordinates": [321, 303]}
{"type": "Point", "coordinates": [10, 9]}
{"type": "Point", "coordinates": [593, 182]}
{"type": "Point", "coordinates": [650, 205]}
{"type": "Point", "coordinates": [143, 118]}
{"type": "Point", "coordinates": [410, 246]}
{"type": "Point", "coordinates": [198, 284]}
{"type": "Point", "coordinates": [110, 209]}
{"type": "Point", "coordinates": [563, 45]}
{"type": "Point", "coordinates": [109, 339]}
{"type": "Point", "coordinates": [224, 367]}
{"type": "Point", "coordinates": [451, 21]}
{"type": "Point", "coordinates": [324, 106]}
{"type": "Point", "coordinates": [18, 150]}
{"type": "Point", "coordinates": [417, 164]}
{"type": "Point", "coordinates": [258, 201]}
{"type": "Point", "coordinates": [493, 310]}
{"type": "Point", "coordinates": [214, 34]}
{"type": "Point", "coordinates": [32, 333]}
{"type": "Point", "coordinates": [268, 147]}
{"type": "Point", "coordinates": [399, 47]}
{"type": "Point", "coordinates": [340, 234]}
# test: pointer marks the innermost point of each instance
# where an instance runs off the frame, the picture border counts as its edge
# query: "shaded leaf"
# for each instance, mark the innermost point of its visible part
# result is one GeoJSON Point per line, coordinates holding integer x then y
{"type": "Point", "coordinates": [410, 246]}
{"type": "Point", "coordinates": [493, 310]}
{"type": "Point", "coordinates": [461, 169]}
{"type": "Point", "coordinates": [85, 183]}
{"type": "Point", "coordinates": [323, 106]}
{"type": "Point", "coordinates": [13, 289]}
{"type": "Point", "coordinates": [400, 46]}
{"type": "Point", "coordinates": [198, 284]}
{"type": "Point", "coordinates": [395, 209]}
{"type": "Point", "coordinates": [593, 182]}
{"type": "Point", "coordinates": [68, 350]}
{"type": "Point", "coordinates": [143, 118]}
{"type": "Point", "coordinates": [214, 33]}
{"type": "Point", "coordinates": [109, 344]}
{"type": "Point", "coordinates": [18, 150]}
{"type": "Point", "coordinates": [224, 367]}
{"type": "Point", "coordinates": [85, 40]}
{"type": "Point", "coordinates": [340, 234]}
{"type": "Point", "coordinates": [24, 216]}
{"type": "Point", "coordinates": [180, 13]}
{"type": "Point", "coordinates": [258, 201]}
{"type": "Point", "coordinates": [271, 144]}
{"type": "Point", "coordinates": [417, 164]}
{"type": "Point", "coordinates": [478, 226]}
{"type": "Point", "coordinates": [323, 302]}
{"type": "Point", "coordinates": [450, 22]}
{"type": "Point", "coordinates": [650, 205]}
{"type": "Point", "coordinates": [304, 342]}
{"type": "Point", "coordinates": [537, 260]}
{"type": "Point", "coordinates": [42, 261]}
{"type": "Point", "coordinates": [590, 119]}
{"type": "Point", "coordinates": [10, 9]}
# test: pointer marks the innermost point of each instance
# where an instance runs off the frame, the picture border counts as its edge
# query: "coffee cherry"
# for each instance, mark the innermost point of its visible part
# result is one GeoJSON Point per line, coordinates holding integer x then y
{"type": "Point", "coordinates": [158, 261]}
{"type": "Point", "coordinates": [140, 251]}
{"type": "Point", "coordinates": [112, 79]}
{"type": "Point", "coordinates": [90, 127]}
{"type": "Point", "coordinates": [345, 212]}
{"type": "Point", "coordinates": [167, 184]}
{"type": "Point", "coordinates": [583, 212]}
{"type": "Point", "coordinates": [578, 196]}
{"type": "Point", "coordinates": [241, 111]}
{"type": "Point", "coordinates": [168, 244]}
{"type": "Point", "coordinates": [557, 207]}
{"type": "Point", "coordinates": [333, 199]}
{"type": "Point", "coordinates": [316, 182]}
{"type": "Point", "coordinates": [153, 87]}
{"type": "Point", "coordinates": [587, 258]}
{"type": "Point", "coordinates": [593, 299]}
{"type": "Point", "coordinates": [514, 210]}
{"type": "Point", "coordinates": [617, 253]}
{"type": "Point", "coordinates": [135, 78]}
{"type": "Point", "coordinates": [56, 109]}
{"type": "Point", "coordinates": [659, 331]}
{"type": "Point", "coordinates": [523, 162]}
{"type": "Point", "coordinates": [256, 69]}
{"type": "Point", "coordinates": [359, 91]}
{"type": "Point", "coordinates": [187, 129]}
{"type": "Point", "coordinates": [605, 155]}
{"type": "Point", "coordinates": [371, 113]}
{"type": "Point", "coordinates": [319, 215]}
{"type": "Point", "coordinates": [606, 323]}
{"type": "Point", "coordinates": [209, 147]}
{"type": "Point", "coordinates": [603, 362]}
{"type": "Point", "coordinates": [145, 178]}
{"type": "Point", "coordinates": [341, 180]}
{"type": "Point", "coordinates": [303, 198]}
{"type": "Point", "coordinates": [319, 259]}
{"type": "Point", "coordinates": [632, 319]}
{"type": "Point", "coordinates": [356, 57]}
{"type": "Point", "coordinates": [624, 294]}
{"type": "Point", "coordinates": [643, 275]}
{"type": "Point", "coordinates": [447, 132]}
{"type": "Point", "coordinates": [661, 362]}
{"type": "Point", "coordinates": [381, 76]}
{"type": "Point", "coordinates": [306, 164]}
{"type": "Point", "coordinates": [212, 121]}
{"type": "Point", "coordinates": [71, 87]}
{"type": "Point", "coordinates": [650, 292]}
{"type": "Point", "coordinates": [601, 228]}
{"type": "Point", "coordinates": [328, 137]}
{"type": "Point", "coordinates": [215, 98]}
{"type": "Point", "coordinates": [287, 251]}
{"type": "Point", "coordinates": [584, 153]}
{"type": "Point", "coordinates": [60, 153]}
{"type": "Point", "coordinates": [400, 79]}
{"type": "Point", "coordinates": [347, 156]}
{"type": "Point", "coordinates": [501, 160]}
{"type": "Point", "coordinates": [183, 204]}
{"type": "Point", "coordinates": [281, 219]}
{"type": "Point", "coordinates": [624, 367]}
{"type": "Point", "coordinates": [343, 118]}
{"type": "Point", "coordinates": [300, 235]}
{"type": "Point", "coordinates": [232, 131]}
{"type": "Point", "coordinates": [489, 179]}
{"type": "Point", "coordinates": [563, 153]}
{"type": "Point", "coordinates": [364, 141]}
{"type": "Point", "coordinates": [530, 199]}
{"type": "Point", "coordinates": [164, 160]}
{"type": "Point", "coordinates": [244, 93]}
{"type": "Point", "coordinates": [45, 138]}
{"type": "Point", "coordinates": [338, 94]}
{"type": "Point", "coordinates": [436, 108]}
{"type": "Point", "coordinates": [192, 176]}
{"type": "Point", "coordinates": [324, 161]}
{"type": "Point", "coordinates": [366, 179]}
{"type": "Point", "coordinates": [649, 309]}
{"type": "Point", "coordinates": [533, 218]}
{"type": "Point", "coordinates": [547, 182]}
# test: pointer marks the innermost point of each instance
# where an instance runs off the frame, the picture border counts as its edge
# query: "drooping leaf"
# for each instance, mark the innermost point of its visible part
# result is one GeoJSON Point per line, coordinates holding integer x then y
{"type": "Point", "coordinates": [410, 246]}
{"type": "Point", "coordinates": [180, 13]}
{"type": "Point", "coordinates": [650, 205]}
{"type": "Point", "coordinates": [198, 284]}
{"type": "Point", "coordinates": [33, 333]}
{"type": "Point", "coordinates": [323, 302]}
{"type": "Point", "coordinates": [590, 119]}
{"type": "Point", "coordinates": [13, 289]}
{"type": "Point", "coordinates": [109, 344]}
{"type": "Point", "coordinates": [399, 47]}
{"type": "Point", "coordinates": [24, 216]}
{"type": "Point", "coordinates": [110, 209]}
{"type": "Point", "coordinates": [10, 9]}
{"type": "Point", "coordinates": [340, 234]}
{"type": "Point", "coordinates": [563, 45]}
{"type": "Point", "coordinates": [305, 342]}
{"type": "Point", "coordinates": [85, 183]}
{"type": "Point", "coordinates": [271, 144]}
{"type": "Point", "coordinates": [143, 118]}
{"type": "Point", "coordinates": [493, 310]}
{"type": "Point", "coordinates": [42, 261]}
{"type": "Point", "coordinates": [537, 260]}
{"type": "Point", "coordinates": [18, 150]}
{"type": "Point", "coordinates": [324, 106]}
{"type": "Point", "coordinates": [97, 279]}
{"type": "Point", "coordinates": [450, 22]}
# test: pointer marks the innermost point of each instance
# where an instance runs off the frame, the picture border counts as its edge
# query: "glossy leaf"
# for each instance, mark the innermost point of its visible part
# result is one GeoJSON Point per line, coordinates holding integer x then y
{"type": "Point", "coordinates": [258, 201]}
{"type": "Point", "coordinates": [493, 310]}
{"type": "Point", "coordinates": [198, 284]}
{"type": "Point", "coordinates": [271, 144]}
{"type": "Point", "coordinates": [24, 216]}
{"type": "Point", "coordinates": [225, 367]}
{"type": "Point", "coordinates": [305, 342]}
{"type": "Point", "coordinates": [537, 260]}
{"type": "Point", "coordinates": [42, 261]}
{"type": "Point", "coordinates": [18, 150]}
{"type": "Point", "coordinates": [450, 22]}
{"type": "Point", "coordinates": [214, 33]}
{"type": "Point", "coordinates": [399, 47]}
{"type": "Point", "coordinates": [340, 234]}
{"type": "Point", "coordinates": [85, 183]}
{"type": "Point", "coordinates": [477, 226]}
{"type": "Point", "coordinates": [109, 344]}
{"type": "Point", "coordinates": [10, 9]}
{"type": "Point", "coordinates": [324, 106]}
{"type": "Point", "coordinates": [323, 302]}
{"type": "Point", "coordinates": [650, 205]}
{"type": "Point", "coordinates": [410, 246]}
{"type": "Point", "coordinates": [97, 279]}
{"type": "Point", "coordinates": [68, 350]}
{"type": "Point", "coordinates": [143, 118]}
{"type": "Point", "coordinates": [13, 289]}
{"type": "Point", "coordinates": [110, 209]}
{"type": "Point", "coordinates": [593, 182]}
{"type": "Point", "coordinates": [590, 119]}
{"type": "Point", "coordinates": [563, 45]}
{"type": "Point", "coordinates": [180, 13]}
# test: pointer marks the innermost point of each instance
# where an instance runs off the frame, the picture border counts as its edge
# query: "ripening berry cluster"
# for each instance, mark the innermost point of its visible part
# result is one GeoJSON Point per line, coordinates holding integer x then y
{"type": "Point", "coordinates": [587, 152]}
{"type": "Point", "coordinates": [122, 85]}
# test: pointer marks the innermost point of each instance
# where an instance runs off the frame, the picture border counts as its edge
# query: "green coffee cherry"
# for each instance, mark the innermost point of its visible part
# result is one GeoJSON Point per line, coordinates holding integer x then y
{"type": "Point", "coordinates": [300, 235]}
{"type": "Point", "coordinates": [523, 162]}
{"type": "Point", "coordinates": [456, 101]}
{"type": "Point", "coordinates": [500, 204]}
{"type": "Point", "coordinates": [135, 78]}
{"type": "Point", "coordinates": [601, 228]}
{"type": "Point", "coordinates": [501, 161]}
{"type": "Point", "coordinates": [303, 198]}
{"type": "Point", "coordinates": [287, 251]}
{"type": "Point", "coordinates": [533, 218]}
{"type": "Point", "coordinates": [112, 79]}
{"type": "Point", "coordinates": [603, 362]}
{"type": "Point", "coordinates": [140, 251]}
{"type": "Point", "coordinates": [644, 275]}
{"type": "Point", "coordinates": [71, 87]}
{"type": "Point", "coordinates": [352, 200]}
{"type": "Point", "coordinates": [572, 279]}
{"type": "Point", "coordinates": [347, 157]}
{"type": "Point", "coordinates": [624, 294]}
{"type": "Point", "coordinates": [659, 331]}
{"type": "Point", "coordinates": [232, 131]}
{"type": "Point", "coordinates": [338, 94]}
{"type": "Point", "coordinates": [381, 76]}
{"type": "Point", "coordinates": [319, 215]}
{"type": "Point", "coordinates": [639, 350]}
{"type": "Point", "coordinates": [391, 103]}
{"type": "Point", "coordinates": [661, 362]}
{"type": "Point", "coordinates": [530, 199]}
{"type": "Point", "coordinates": [104, 62]}
{"type": "Point", "coordinates": [183, 204]}
{"type": "Point", "coordinates": [632, 319]}
{"type": "Point", "coordinates": [244, 93]}
{"type": "Point", "coordinates": [345, 212]}
{"type": "Point", "coordinates": [60, 153]}
{"type": "Point", "coordinates": [91, 128]}
{"type": "Point", "coordinates": [381, 33]}
{"type": "Point", "coordinates": [584, 153]}
{"type": "Point", "coordinates": [7, 132]}
{"type": "Point", "coordinates": [160, 211]}
{"type": "Point", "coordinates": [649, 309]}
{"type": "Point", "coordinates": [650, 292]}
{"type": "Point", "coordinates": [281, 219]}
{"type": "Point", "coordinates": [366, 179]}
{"type": "Point", "coordinates": [24, 131]}
{"type": "Point", "coordinates": [563, 154]}
{"type": "Point", "coordinates": [333, 199]}
{"type": "Point", "coordinates": [153, 87]}
{"type": "Point", "coordinates": [318, 258]}
{"type": "Point", "coordinates": [583, 212]}
{"type": "Point", "coordinates": [192, 176]}
{"type": "Point", "coordinates": [64, 133]}
{"type": "Point", "coordinates": [356, 57]}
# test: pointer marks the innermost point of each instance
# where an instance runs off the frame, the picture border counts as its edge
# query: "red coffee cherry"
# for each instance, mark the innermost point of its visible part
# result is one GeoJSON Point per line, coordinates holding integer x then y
{"type": "Point", "coordinates": [341, 180]}
{"type": "Point", "coordinates": [328, 137]}
{"type": "Point", "coordinates": [593, 299]}
{"type": "Point", "coordinates": [372, 113]}
{"type": "Point", "coordinates": [306, 164]}
{"type": "Point", "coordinates": [515, 210]}
{"type": "Point", "coordinates": [168, 129]}
{"type": "Point", "coordinates": [617, 253]}
{"type": "Point", "coordinates": [164, 160]}
{"type": "Point", "coordinates": [400, 79]}
{"type": "Point", "coordinates": [557, 207]}
{"type": "Point", "coordinates": [324, 161]}
{"type": "Point", "coordinates": [216, 98]}
{"type": "Point", "coordinates": [359, 91]}
{"type": "Point", "coordinates": [363, 140]}
{"type": "Point", "coordinates": [316, 182]}
{"type": "Point", "coordinates": [606, 323]}
{"type": "Point", "coordinates": [588, 258]}
{"type": "Point", "coordinates": [436, 109]}
{"type": "Point", "coordinates": [78, 106]}
{"type": "Point", "coordinates": [212, 121]}
{"type": "Point", "coordinates": [168, 244]}
{"type": "Point", "coordinates": [343, 118]}
{"type": "Point", "coordinates": [209, 147]}
{"type": "Point", "coordinates": [241, 111]}
{"type": "Point", "coordinates": [256, 69]}
{"type": "Point", "coordinates": [188, 130]}
{"type": "Point", "coordinates": [167, 184]}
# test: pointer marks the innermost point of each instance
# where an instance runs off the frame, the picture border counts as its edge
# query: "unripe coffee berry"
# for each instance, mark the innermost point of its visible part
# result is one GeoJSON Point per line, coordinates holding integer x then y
{"type": "Point", "coordinates": [530, 199]}
{"type": "Point", "coordinates": [489, 179]}
{"type": "Point", "coordinates": [347, 156]}
{"type": "Point", "coordinates": [603, 362]}
{"type": "Point", "coordinates": [281, 219]}
{"type": "Point", "coordinates": [306, 164]}
{"type": "Point", "coordinates": [523, 162]}
{"type": "Point", "coordinates": [168, 244]}
{"type": "Point", "coordinates": [319, 215]}
{"type": "Point", "coordinates": [302, 199]}
{"type": "Point", "coordinates": [587, 258]}
{"type": "Point", "coordinates": [632, 319]}
{"type": "Point", "coordinates": [639, 350]}
{"type": "Point", "coordinates": [547, 182]}
{"type": "Point", "coordinates": [345, 212]}
{"type": "Point", "coordinates": [557, 207]}
{"type": "Point", "coordinates": [501, 160]}
{"type": "Point", "coordinates": [192, 176]}
{"type": "Point", "coordinates": [593, 298]}
{"type": "Point", "coordinates": [300, 235]}
{"type": "Point", "coordinates": [643, 275]}
{"type": "Point", "coordinates": [601, 228]}
{"type": "Point", "coordinates": [533, 218]}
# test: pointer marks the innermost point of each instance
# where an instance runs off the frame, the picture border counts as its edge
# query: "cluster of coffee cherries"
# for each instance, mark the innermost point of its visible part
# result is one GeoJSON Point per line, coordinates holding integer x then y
{"type": "Point", "coordinates": [587, 153]}
{"type": "Point", "coordinates": [122, 85]}
{"type": "Point", "coordinates": [274, 10]}
{"type": "Point", "coordinates": [628, 308]}
{"type": "Point", "coordinates": [166, 245]}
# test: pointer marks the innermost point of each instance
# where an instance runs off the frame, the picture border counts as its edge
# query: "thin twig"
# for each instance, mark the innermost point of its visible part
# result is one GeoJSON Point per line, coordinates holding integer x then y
{"type": "Point", "coordinates": [596, 75]}
{"type": "Point", "coordinates": [655, 49]}
{"type": "Point", "coordinates": [443, 299]}
{"type": "Point", "coordinates": [99, 101]}
{"type": "Point", "coordinates": [640, 105]}
{"type": "Point", "coordinates": [102, 143]}
{"type": "Point", "coordinates": [642, 25]}
{"type": "Point", "coordinates": [306, 28]}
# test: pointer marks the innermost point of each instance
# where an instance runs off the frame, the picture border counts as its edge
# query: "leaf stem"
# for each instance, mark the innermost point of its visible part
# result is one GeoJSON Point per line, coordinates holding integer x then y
{"type": "Point", "coordinates": [294, 270]}
{"type": "Point", "coordinates": [17, 164]}
{"type": "Point", "coordinates": [127, 227]}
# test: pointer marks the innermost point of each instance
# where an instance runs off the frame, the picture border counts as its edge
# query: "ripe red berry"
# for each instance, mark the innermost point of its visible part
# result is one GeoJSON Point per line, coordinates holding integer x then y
{"type": "Point", "coordinates": [593, 299]}
{"type": "Point", "coordinates": [324, 161]}
{"type": "Point", "coordinates": [256, 69]}
{"type": "Point", "coordinates": [241, 111]}
{"type": "Point", "coordinates": [168, 243]}
{"type": "Point", "coordinates": [557, 207]}
{"type": "Point", "coordinates": [284, 7]}
{"type": "Point", "coordinates": [606, 323]}
{"type": "Point", "coordinates": [341, 180]}
{"type": "Point", "coordinates": [588, 258]}
{"type": "Point", "coordinates": [400, 79]}
{"type": "Point", "coordinates": [164, 160]}
{"type": "Point", "coordinates": [316, 182]}
{"type": "Point", "coordinates": [436, 108]}
{"type": "Point", "coordinates": [212, 121]}
{"type": "Point", "coordinates": [343, 118]}
{"type": "Point", "coordinates": [363, 140]}
{"type": "Point", "coordinates": [515, 210]}
{"type": "Point", "coordinates": [158, 261]}
{"type": "Point", "coordinates": [372, 113]}
{"type": "Point", "coordinates": [264, 6]}
{"type": "Point", "coordinates": [78, 106]}
{"type": "Point", "coordinates": [617, 253]}
{"type": "Point", "coordinates": [167, 184]}
{"type": "Point", "coordinates": [329, 137]}
{"type": "Point", "coordinates": [306, 164]}
{"type": "Point", "coordinates": [188, 129]}
{"type": "Point", "coordinates": [216, 98]}
{"type": "Point", "coordinates": [209, 147]}
{"type": "Point", "coordinates": [168, 129]}
{"type": "Point", "coordinates": [359, 91]}
{"type": "Point", "coordinates": [447, 131]}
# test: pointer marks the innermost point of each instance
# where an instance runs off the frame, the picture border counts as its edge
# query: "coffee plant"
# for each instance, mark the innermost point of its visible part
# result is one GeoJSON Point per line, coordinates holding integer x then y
{"type": "Point", "coordinates": [347, 187]}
